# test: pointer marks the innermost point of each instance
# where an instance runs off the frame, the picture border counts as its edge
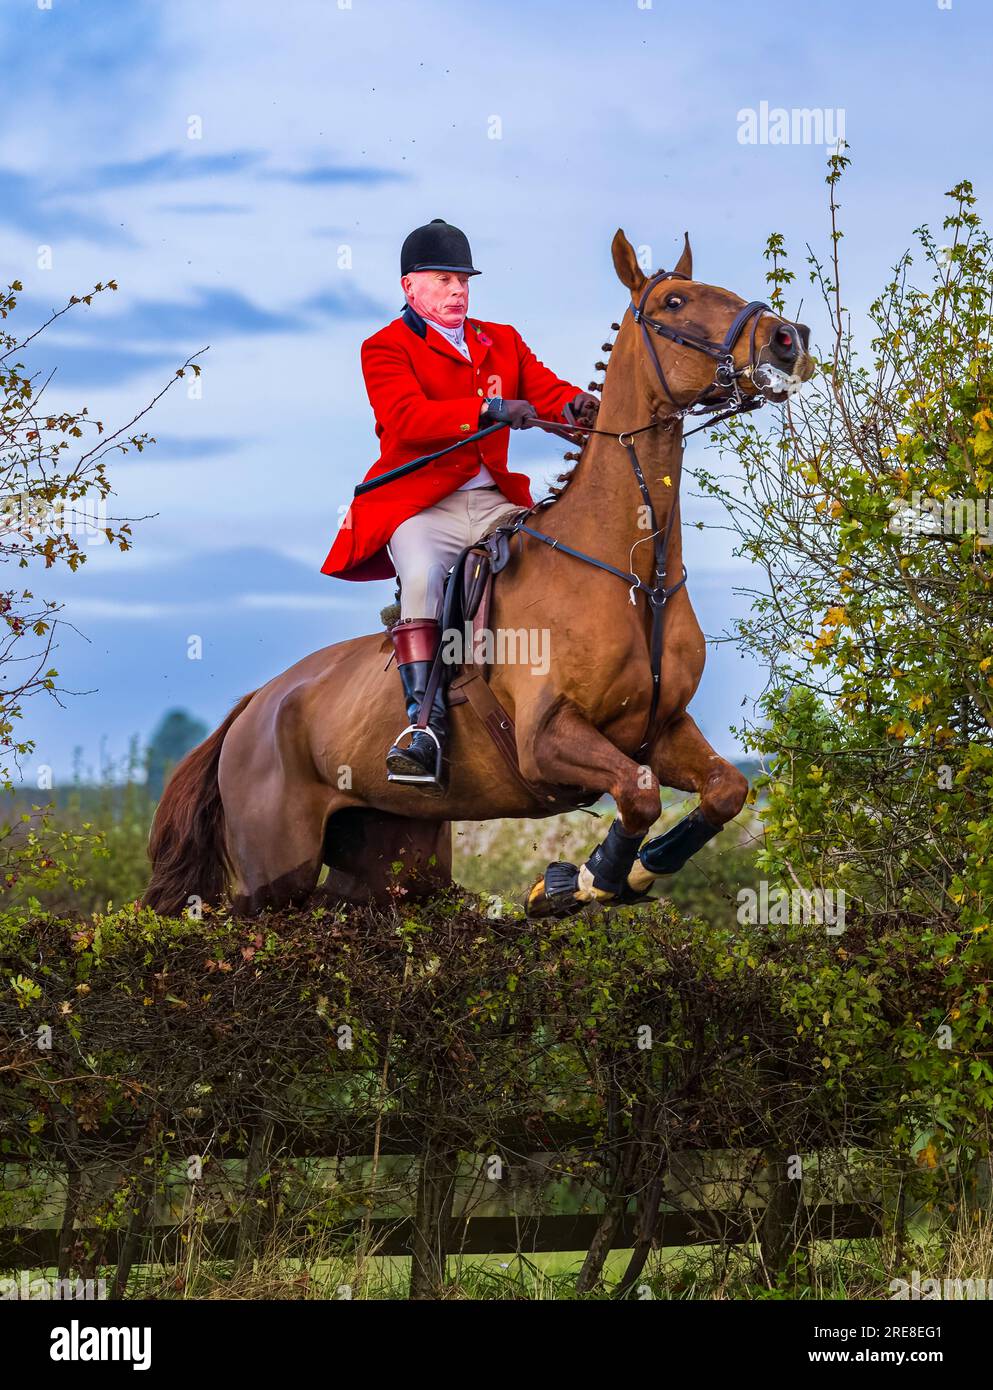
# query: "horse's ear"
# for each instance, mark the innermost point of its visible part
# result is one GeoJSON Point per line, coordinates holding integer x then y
{"type": "Point", "coordinates": [684, 266]}
{"type": "Point", "coordinates": [629, 272]}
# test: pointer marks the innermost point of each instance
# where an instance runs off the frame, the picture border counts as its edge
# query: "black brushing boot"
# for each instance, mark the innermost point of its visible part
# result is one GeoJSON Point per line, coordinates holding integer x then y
{"type": "Point", "coordinates": [670, 851]}
{"type": "Point", "coordinates": [420, 759]}
{"type": "Point", "coordinates": [566, 887]}
{"type": "Point", "coordinates": [666, 854]}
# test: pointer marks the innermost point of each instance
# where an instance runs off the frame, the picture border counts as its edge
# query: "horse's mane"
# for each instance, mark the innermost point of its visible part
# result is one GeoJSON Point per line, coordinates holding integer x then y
{"type": "Point", "coordinates": [565, 478]}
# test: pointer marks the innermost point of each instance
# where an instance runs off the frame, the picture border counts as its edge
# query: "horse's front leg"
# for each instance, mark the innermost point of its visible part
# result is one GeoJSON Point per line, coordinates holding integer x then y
{"type": "Point", "coordinates": [569, 751]}
{"type": "Point", "coordinates": [682, 758]}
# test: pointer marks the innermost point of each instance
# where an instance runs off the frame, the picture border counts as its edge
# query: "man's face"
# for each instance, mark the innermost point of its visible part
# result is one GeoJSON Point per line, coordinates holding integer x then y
{"type": "Point", "coordinates": [441, 295]}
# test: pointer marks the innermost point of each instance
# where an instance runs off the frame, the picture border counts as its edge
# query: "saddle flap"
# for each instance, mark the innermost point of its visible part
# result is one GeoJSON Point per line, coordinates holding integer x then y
{"type": "Point", "coordinates": [498, 547]}
{"type": "Point", "coordinates": [498, 542]}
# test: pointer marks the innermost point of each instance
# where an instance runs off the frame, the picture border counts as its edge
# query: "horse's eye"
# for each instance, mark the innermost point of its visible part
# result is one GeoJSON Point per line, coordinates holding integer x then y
{"type": "Point", "coordinates": [675, 301]}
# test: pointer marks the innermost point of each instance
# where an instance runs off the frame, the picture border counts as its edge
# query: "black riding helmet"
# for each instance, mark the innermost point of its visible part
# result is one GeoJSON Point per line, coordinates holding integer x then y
{"type": "Point", "coordinates": [437, 246]}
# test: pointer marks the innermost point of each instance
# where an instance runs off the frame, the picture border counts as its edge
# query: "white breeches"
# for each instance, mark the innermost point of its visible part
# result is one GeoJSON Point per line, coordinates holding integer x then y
{"type": "Point", "coordinates": [423, 548]}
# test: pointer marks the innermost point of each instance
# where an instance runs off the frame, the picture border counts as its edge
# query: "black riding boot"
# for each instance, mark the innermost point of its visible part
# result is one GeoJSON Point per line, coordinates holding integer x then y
{"type": "Point", "coordinates": [420, 757]}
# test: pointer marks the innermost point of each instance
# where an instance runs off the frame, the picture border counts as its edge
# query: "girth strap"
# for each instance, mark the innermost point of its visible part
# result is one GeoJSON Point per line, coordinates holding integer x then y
{"type": "Point", "coordinates": [472, 687]}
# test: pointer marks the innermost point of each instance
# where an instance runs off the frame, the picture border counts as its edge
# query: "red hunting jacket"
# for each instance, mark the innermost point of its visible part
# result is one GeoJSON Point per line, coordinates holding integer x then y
{"type": "Point", "coordinates": [424, 395]}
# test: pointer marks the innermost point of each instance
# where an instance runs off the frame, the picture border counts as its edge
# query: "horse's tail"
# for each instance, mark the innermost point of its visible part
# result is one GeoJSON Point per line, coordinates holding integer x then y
{"type": "Point", "coordinates": [186, 843]}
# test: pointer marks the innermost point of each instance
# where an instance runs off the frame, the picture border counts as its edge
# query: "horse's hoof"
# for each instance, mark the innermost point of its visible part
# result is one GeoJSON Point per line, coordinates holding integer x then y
{"type": "Point", "coordinates": [629, 898]}
{"type": "Point", "coordinates": [536, 904]}
{"type": "Point", "coordinates": [554, 895]}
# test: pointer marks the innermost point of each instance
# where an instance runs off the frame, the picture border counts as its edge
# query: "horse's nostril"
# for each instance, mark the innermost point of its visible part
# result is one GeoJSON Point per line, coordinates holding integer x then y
{"type": "Point", "coordinates": [784, 343]}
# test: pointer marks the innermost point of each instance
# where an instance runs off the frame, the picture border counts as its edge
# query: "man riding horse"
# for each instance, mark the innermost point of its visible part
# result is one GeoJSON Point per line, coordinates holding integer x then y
{"type": "Point", "coordinates": [435, 377]}
{"type": "Point", "coordinates": [262, 806]}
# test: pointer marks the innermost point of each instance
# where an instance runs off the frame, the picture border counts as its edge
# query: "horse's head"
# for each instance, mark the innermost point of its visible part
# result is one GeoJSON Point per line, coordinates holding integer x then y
{"type": "Point", "coordinates": [697, 344]}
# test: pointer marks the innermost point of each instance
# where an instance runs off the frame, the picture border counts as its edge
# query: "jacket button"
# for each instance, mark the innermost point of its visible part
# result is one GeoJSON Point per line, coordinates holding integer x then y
{"type": "Point", "coordinates": [465, 428]}
{"type": "Point", "coordinates": [479, 390]}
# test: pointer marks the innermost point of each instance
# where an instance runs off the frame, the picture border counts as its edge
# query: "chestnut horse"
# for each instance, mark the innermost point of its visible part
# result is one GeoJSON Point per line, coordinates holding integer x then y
{"type": "Point", "coordinates": [294, 777]}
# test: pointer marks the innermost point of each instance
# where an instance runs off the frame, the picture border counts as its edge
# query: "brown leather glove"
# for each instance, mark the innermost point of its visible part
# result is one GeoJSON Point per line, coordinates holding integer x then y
{"type": "Point", "coordinates": [582, 410]}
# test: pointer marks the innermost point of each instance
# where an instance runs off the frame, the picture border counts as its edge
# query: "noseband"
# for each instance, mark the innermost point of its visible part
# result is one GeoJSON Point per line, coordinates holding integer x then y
{"type": "Point", "coordinates": [726, 375]}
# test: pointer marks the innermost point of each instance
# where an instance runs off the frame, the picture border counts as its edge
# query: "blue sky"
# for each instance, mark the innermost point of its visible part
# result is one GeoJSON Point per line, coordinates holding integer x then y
{"type": "Point", "coordinates": [325, 127]}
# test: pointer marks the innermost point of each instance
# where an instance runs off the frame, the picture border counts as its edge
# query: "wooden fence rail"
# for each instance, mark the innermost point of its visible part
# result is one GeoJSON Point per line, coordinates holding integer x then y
{"type": "Point", "coordinates": [435, 1231]}
{"type": "Point", "coordinates": [29, 1247]}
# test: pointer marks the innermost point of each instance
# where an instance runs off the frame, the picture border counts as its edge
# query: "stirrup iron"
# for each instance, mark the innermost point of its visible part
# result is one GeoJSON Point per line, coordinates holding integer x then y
{"type": "Point", "coordinates": [422, 777]}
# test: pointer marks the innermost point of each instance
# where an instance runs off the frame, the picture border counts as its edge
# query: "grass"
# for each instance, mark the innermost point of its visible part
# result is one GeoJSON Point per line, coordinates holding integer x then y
{"type": "Point", "coordinates": [841, 1271]}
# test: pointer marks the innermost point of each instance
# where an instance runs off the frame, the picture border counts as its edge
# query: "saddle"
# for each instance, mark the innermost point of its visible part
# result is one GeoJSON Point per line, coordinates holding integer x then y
{"type": "Point", "coordinates": [467, 600]}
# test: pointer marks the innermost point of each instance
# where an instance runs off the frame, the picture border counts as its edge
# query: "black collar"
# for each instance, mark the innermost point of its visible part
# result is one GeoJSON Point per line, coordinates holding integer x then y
{"type": "Point", "coordinates": [414, 321]}
{"type": "Point", "coordinates": [419, 325]}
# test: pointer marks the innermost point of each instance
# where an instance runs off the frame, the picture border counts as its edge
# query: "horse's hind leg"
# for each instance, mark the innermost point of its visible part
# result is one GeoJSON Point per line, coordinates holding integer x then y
{"type": "Point", "coordinates": [571, 751]}
{"type": "Point", "coordinates": [682, 758]}
{"type": "Point", "coordinates": [376, 857]}
{"type": "Point", "coordinates": [275, 805]}
{"type": "Point", "coordinates": [274, 842]}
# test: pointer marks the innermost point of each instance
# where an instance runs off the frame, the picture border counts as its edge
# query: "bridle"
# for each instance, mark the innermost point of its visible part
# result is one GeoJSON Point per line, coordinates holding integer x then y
{"type": "Point", "coordinates": [726, 374]}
